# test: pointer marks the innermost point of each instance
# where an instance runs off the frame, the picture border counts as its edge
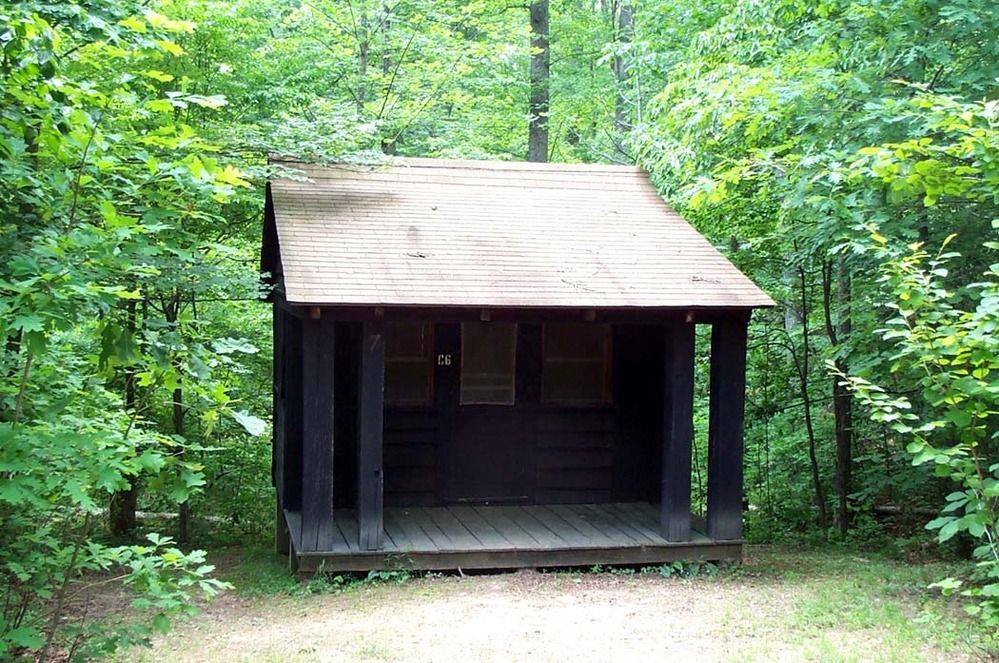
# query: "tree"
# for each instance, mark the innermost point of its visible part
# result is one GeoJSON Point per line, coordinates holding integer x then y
{"type": "Point", "coordinates": [624, 19]}
{"type": "Point", "coordinates": [100, 185]}
{"type": "Point", "coordinates": [537, 145]}
{"type": "Point", "coordinates": [772, 98]}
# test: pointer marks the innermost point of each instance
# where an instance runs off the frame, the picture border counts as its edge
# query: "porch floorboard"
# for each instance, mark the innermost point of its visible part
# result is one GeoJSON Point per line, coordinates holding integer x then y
{"type": "Point", "coordinates": [496, 537]}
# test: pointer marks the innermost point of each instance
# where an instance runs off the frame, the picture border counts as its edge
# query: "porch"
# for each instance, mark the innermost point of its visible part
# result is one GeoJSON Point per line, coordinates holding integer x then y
{"type": "Point", "coordinates": [495, 537]}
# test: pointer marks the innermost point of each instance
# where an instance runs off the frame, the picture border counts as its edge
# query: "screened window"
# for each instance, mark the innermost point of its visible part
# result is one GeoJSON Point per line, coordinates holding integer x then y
{"type": "Point", "coordinates": [576, 364]}
{"type": "Point", "coordinates": [408, 363]}
{"type": "Point", "coordinates": [488, 363]}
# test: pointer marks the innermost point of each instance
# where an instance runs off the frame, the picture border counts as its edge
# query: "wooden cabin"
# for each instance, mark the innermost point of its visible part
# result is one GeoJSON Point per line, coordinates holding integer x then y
{"type": "Point", "coordinates": [491, 364]}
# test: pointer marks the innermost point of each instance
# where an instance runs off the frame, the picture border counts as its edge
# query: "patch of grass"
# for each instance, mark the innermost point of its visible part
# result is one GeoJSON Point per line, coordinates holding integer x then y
{"type": "Point", "coordinates": [783, 603]}
{"type": "Point", "coordinates": [262, 572]}
{"type": "Point", "coordinates": [374, 651]}
{"type": "Point", "coordinates": [844, 606]}
{"type": "Point", "coordinates": [680, 569]}
{"type": "Point", "coordinates": [843, 596]}
{"type": "Point", "coordinates": [677, 569]}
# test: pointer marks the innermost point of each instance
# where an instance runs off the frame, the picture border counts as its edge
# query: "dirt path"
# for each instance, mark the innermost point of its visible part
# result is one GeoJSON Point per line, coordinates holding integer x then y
{"type": "Point", "coordinates": [530, 616]}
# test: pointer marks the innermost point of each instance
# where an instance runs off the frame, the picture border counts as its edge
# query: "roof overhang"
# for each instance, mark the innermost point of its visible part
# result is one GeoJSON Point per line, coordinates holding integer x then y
{"type": "Point", "coordinates": [471, 234]}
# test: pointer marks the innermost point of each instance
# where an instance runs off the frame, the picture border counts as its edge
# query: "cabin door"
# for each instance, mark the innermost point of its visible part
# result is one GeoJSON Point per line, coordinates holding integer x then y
{"type": "Point", "coordinates": [488, 450]}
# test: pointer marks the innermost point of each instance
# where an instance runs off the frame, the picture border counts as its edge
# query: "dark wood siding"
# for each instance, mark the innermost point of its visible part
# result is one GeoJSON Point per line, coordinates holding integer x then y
{"type": "Point", "coordinates": [291, 462]}
{"type": "Point", "coordinates": [575, 454]}
{"type": "Point", "coordinates": [370, 437]}
{"type": "Point", "coordinates": [638, 398]}
{"type": "Point", "coordinates": [318, 364]}
{"type": "Point", "coordinates": [410, 457]}
{"type": "Point", "coordinates": [725, 442]}
{"type": "Point", "coordinates": [345, 415]}
{"type": "Point", "coordinates": [678, 431]}
{"type": "Point", "coordinates": [279, 395]}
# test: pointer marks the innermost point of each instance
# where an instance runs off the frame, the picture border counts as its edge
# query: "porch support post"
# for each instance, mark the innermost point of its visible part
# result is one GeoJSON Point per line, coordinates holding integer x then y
{"type": "Point", "coordinates": [289, 424]}
{"type": "Point", "coordinates": [317, 432]}
{"type": "Point", "coordinates": [725, 427]}
{"type": "Point", "coordinates": [678, 432]}
{"type": "Point", "coordinates": [370, 408]}
{"type": "Point", "coordinates": [281, 540]}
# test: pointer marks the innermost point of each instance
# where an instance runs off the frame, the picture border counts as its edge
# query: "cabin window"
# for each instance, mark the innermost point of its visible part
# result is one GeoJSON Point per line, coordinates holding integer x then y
{"type": "Point", "coordinates": [408, 363]}
{"type": "Point", "coordinates": [488, 363]}
{"type": "Point", "coordinates": [576, 368]}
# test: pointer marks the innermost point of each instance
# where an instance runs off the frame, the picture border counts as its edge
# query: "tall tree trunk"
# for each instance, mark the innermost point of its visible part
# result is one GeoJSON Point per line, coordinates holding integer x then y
{"type": "Point", "coordinates": [184, 509]}
{"type": "Point", "coordinates": [363, 36]}
{"type": "Point", "coordinates": [537, 144]}
{"type": "Point", "coordinates": [388, 144]}
{"type": "Point", "coordinates": [842, 402]}
{"type": "Point", "coordinates": [624, 29]}
{"type": "Point", "coordinates": [171, 312]}
{"type": "Point", "coordinates": [123, 505]}
{"type": "Point", "coordinates": [806, 402]}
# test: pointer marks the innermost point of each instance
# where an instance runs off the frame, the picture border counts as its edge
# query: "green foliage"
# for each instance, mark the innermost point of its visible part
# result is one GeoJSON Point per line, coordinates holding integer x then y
{"type": "Point", "coordinates": [951, 158]}
{"type": "Point", "coordinates": [409, 73]}
{"type": "Point", "coordinates": [131, 132]}
{"type": "Point", "coordinates": [398, 576]}
{"type": "Point", "coordinates": [955, 354]}
{"type": "Point", "coordinates": [106, 196]}
{"type": "Point", "coordinates": [761, 132]}
{"type": "Point", "coordinates": [163, 578]}
{"type": "Point", "coordinates": [325, 582]}
{"type": "Point", "coordinates": [683, 569]}
{"type": "Point", "coordinates": [261, 572]}
{"type": "Point", "coordinates": [675, 569]}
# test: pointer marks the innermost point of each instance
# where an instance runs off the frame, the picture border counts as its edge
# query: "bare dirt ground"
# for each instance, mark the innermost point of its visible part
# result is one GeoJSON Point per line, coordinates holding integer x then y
{"type": "Point", "coordinates": [541, 618]}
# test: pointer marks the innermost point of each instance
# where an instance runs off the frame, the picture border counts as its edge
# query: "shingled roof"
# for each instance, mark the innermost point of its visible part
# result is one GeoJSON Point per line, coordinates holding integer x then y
{"type": "Point", "coordinates": [430, 232]}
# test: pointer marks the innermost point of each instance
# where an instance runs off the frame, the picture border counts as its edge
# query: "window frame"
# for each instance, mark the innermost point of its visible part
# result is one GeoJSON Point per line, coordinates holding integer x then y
{"type": "Point", "coordinates": [513, 365]}
{"type": "Point", "coordinates": [606, 364]}
{"type": "Point", "coordinates": [409, 360]}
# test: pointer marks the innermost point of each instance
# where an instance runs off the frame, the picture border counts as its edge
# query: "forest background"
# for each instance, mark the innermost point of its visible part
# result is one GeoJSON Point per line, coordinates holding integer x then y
{"type": "Point", "coordinates": [843, 153]}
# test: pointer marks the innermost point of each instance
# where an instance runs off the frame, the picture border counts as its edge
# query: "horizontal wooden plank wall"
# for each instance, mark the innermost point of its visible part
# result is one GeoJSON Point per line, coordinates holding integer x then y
{"type": "Point", "coordinates": [579, 455]}
{"type": "Point", "coordinates": [638, 400]}
{"type": "Point", "coordinates": [410, 457]}
{"type": "Point", "coordinates": [574, 455]}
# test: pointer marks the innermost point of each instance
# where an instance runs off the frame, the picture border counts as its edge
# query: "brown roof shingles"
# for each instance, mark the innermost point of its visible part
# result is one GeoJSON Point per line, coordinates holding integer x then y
{"type": "Point", "coordinates": [427, 232]}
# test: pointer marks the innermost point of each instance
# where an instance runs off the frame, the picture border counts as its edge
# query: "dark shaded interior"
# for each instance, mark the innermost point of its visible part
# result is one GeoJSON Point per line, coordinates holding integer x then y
{"type": "Point", "coordinates": [525, 453]}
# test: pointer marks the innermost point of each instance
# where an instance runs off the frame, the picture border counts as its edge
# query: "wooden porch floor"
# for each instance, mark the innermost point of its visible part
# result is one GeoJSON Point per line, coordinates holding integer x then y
{"type": "Point", "coordinates": [495, 537]}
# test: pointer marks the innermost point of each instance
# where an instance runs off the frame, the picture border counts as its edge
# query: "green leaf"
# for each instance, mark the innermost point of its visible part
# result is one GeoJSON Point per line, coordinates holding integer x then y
{"type": "Point", "coordinates": [229, 345]}
{"type": "Point", "coordinates": [27, 322]}
{"type": "Point", "coordinates": [158, 75]}
{"type": "Point", "coordinates": [959, 418]}
{"type": "Point", "coordinates": [151, 461]}
{"type": "Point", "coordinates": [947, 584]}
{"type": "Point", "coordinates": [230, 175]}
{"type": "Point", "coordinates": [26, 637]}
{"type": "Point", "coordinates": [134, 23]}
{"type": "Point", "coordinates": [161, 623]}
{"type": "Point", "coordinates": [948, 531]}
{"type": "Point", "coordinates": [937, 523]}
{"type": "Point", "coordinates": [253, 425]}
